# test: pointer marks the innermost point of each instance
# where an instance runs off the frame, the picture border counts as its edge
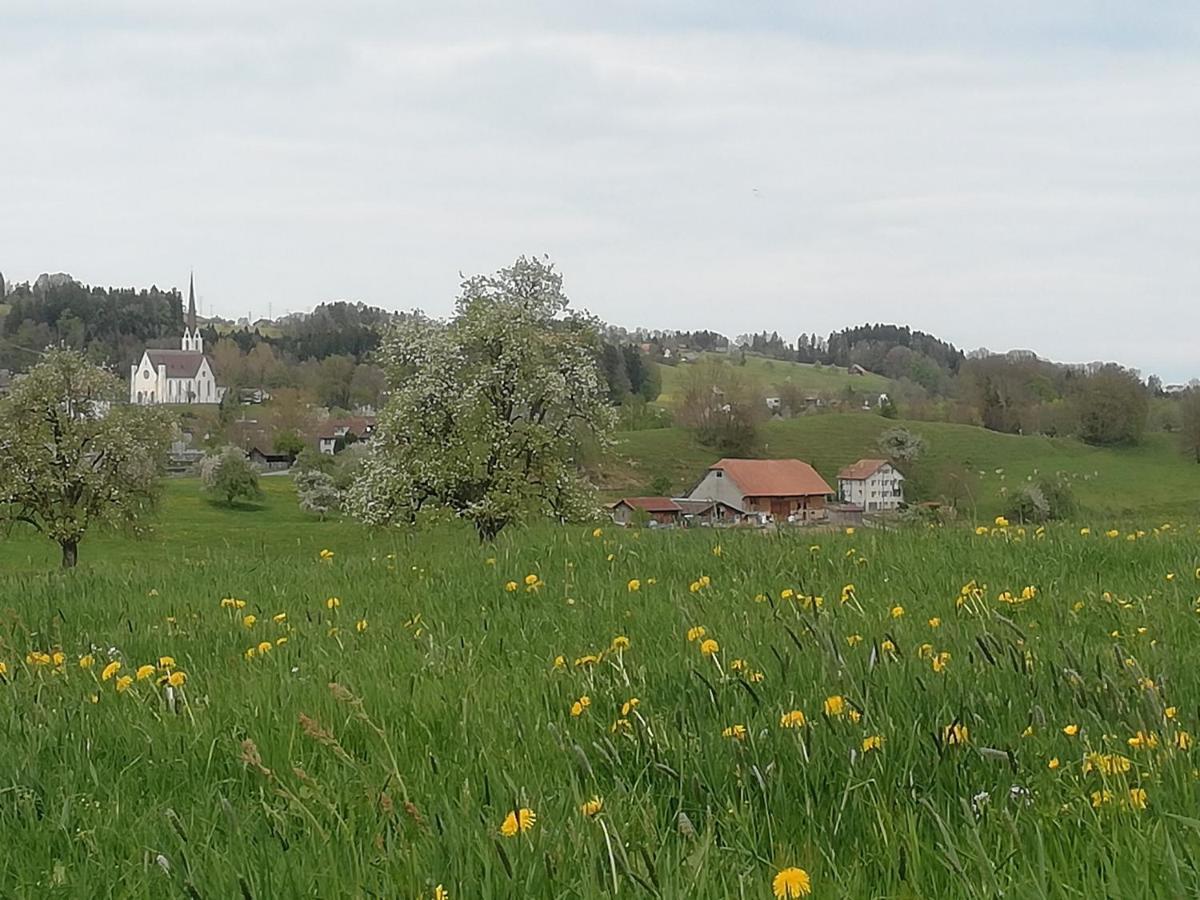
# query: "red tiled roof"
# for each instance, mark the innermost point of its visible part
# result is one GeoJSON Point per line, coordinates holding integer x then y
{"type": "Point", "coordinates": [651, 504]}
{"type": "Point", "coordinates": [862, 470]}
{"type": "Point", "coordinates": [179, 363]}
{"type": "Point", "coordinates": [773, 477]}
{"type": "Point", "coordinates": [361, 426]}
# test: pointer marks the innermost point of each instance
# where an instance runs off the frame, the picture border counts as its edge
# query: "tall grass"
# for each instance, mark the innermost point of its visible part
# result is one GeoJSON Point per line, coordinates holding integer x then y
{"type": "Point", "coordinates": [377, 751]}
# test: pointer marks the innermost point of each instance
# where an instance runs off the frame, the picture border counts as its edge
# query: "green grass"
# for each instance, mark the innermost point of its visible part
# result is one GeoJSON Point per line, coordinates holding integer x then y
{"type": "Point", "coordinates": [961, 463]}
{"type": "Point", "coordinates": [768, 374]}
{"type": "Point", "coordinates": [263, 782]}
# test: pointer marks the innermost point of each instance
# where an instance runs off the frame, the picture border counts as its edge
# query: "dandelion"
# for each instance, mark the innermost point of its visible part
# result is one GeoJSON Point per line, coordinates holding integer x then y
{"type": "Point", "coordinates": [531, 580]}
{"type": "Point", "coordinates": [110, 670]}
{"type": "Point", "coordinates": [144, 672]}
{"type": "Point", "coordinates": [510, 586]}
{"type": "Point", "coordinates": [326, 555]}
{"type": "Point", "coordinates": [1070, 730]}
{"type": "Point", "coordinates": [58, 657]}
{"type": "Point", "coordinates": [37, 658]}
{"type": "Point", "coordinates": [333, 603]}
{"type": "Point", "coordinates": [86, 662]}
{"type": "Point", "coordinates": [440, 893]}
{"type": "Point", "coordinates": [848, 591]}
{"type": "Point", "coordinates": [872, 742]}
{"type": "Point", "coordinates": [1183, 740]}
{"type": "Point", "coordinates": [735, 732]}
{"type": "Point", "coordinates": [591, 808]}
{"type": "Point", "coordinates": [1053, 764]}
{"type": "Point", "coordinates": [360, 626]}
{"type": "Point", "coordinates": [619, 643]}
{"type": "Point", "coordinates": [265, 647]}
{"type": "Point", "coordinates": [560, 662]}
{"type": "Point", "coordinates": [279, 618]}
{"type": "Point", "coordinates": [1106, 763]}
{"type": "Point", "coordinates": [835, 705]}
{"type": "Point", "coordinates": [1099, 798]}
{"type": "Point", "coordinates": [3, 670]}
{"type": "Point", "coordinates": [1112, 533]}
{"type": "Point", "coordinates": [897, 612]}
{"type": "Point", "coordinates": [280, 641]}
{"type": "Point", "coordinates": [249, 621]}
{"type": "Point", "coordinates": [935, 622]}
{"type": "Point", "coordinates": [956, 734]}
{"type": "Point", "coordinates": [177, 679]}
{"type": "Point", "coordinates": [716, 551]}
{"type": "Point", "coordinates": [854, 639]}
{"type": "Point", "coordinates": [249, 654]}
{"type": "Point", "coordinates": [634, 585]}
{"type": "Point", "coordinates": [1001, 522]}
{"type": "Point", "coordinates": [886, 646]}
{"type": "Point", "coordinates": [588, 660]}
{"type": "Point", "coordinates": [599, 532]}
{"type": "Point", "coordinates": [629, 706]}
{"type": "Point", "coordinates": [709, 647]}
{"type": "Point", "coordinates": [1143, 740]}
{"type": "Point", "coordinates": [941, 662]}
{"type": "Point", "coordinates": [516, 822]}
{"type": "Point", "coordinates": [123, 684]}
{"type": "Point", "coordinates": [1137, 798]}
{"type": "Point", "coordinates": [791, 883]}
{"type": "Point", "coordinates": [787, 594]}
{"type": "Point", "coordinates": [792, 719]}
{"type": "Point", "coordinates": [166, 662]}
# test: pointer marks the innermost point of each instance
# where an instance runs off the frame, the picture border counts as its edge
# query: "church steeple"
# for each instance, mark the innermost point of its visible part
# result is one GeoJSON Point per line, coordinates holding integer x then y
{"type": "Point", "coordinates": [191, 331]}
{"type": "Point", "coordinates": [191, 316]}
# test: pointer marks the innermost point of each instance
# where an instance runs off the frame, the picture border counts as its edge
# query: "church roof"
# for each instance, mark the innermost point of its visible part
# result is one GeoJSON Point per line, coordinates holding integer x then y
{"type": "Point", "coordinates": [179, 363]}
{"type": "Point", "coordinates": [191, 313]}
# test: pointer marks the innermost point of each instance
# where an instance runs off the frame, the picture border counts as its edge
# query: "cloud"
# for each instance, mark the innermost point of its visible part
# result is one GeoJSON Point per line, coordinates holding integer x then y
{"type": "Point", "coordinates": [1022, 175]}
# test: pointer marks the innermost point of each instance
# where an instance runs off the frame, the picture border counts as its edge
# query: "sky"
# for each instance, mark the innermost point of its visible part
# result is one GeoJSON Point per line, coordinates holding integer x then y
{"type": "Point", "coordinates": [1008, 175]}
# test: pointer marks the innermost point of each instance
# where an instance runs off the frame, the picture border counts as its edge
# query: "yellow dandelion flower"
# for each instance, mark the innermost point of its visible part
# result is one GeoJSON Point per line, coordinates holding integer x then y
{"type": "Point", "coordinates": [629, 706]}
{"type": "Point", "coordinates": [279, 618]}
{"type": "Point", "coordinates": [848, 591]}
{"type": "Point", "coordinates": [250, 652]}
{"type": "Point", "coordinates": [787, 594]}
{"type": "Point", "coordinates": [560, 662]}
{"type": "Point", "coordinates": [510, 586]}
{"type": "Point", "coordinates": [326, 554]}
{"type": "Point", "coordinates": [123, 684]}
{"type": "Point", "coordinates": [887, 646]}
{"type": "Point", "coordinates": [598, 532]}
{"type": "Point", "coordinates": [360, 626]}
{"type": "Point", "coordinates": [1183, 740]}
{"type": "Point", "coordinates": [280, 641]}
{"type": "Point", "coordinates": [1099, 798]}
{"type": "Point", "coordinates": [531, 580]}
{"type": "Point", "coordinates": [941, 662]}
{"type": "Point", "coordinates": [791, 883]}
{"type": "Point", "coordinates": [1001, 522]}
{"type": "Point", "coordinates": [265, 647]}
{"type": "Point", "coordinates": [86, 662]}
{"type": "Point", "coordinates": [620, 642]}
{"type": "Point", "coordinates": [1143, 740]}
{"type": "Point", "coordinates": [872, 742]}
{"type": "Point", "coordinates": [177, 679]}
{"type": "Point", "coordinates": [735, 732]}
{"type": "Point", "coordinates": [709, 647]}
{"type": "Point", "coordinates": [1112, 533]}
{"type": "Point", "coordinates": [591, 808]}
{"type": "Point", "coordinates": [835, 705]}
{"type": "Point", "coordinates": [440, 893]}
{"type": "Point", "coordinates": [576, 709]}
{"type": "Point", "coordinates": [166, 662]}
{"type": "Point", "coordinates": [1053, 763]}
{"type": "Point", "coordinates": [588, 660]}
{"type": "Point", "coordinates": [897, 612]}
{"type": "Point", "coordinates": [792, 719]}
{"type": "Point", "coordinates": [110, 670]}
{"type": "Point", "coordinates": [144, 672]}
{"type": "Point", "coordinates": [1070, 730]}
{"type": "Point", "coordinates": [249, 621]}
{"type": "Point", "coordinates": [333, 602]}
{"type": "Point", "coordinates": [854, 639]}
{"type": "Point", "coordinates": [935, 622]}
{"type": "Point", "coordinates": [518, 821]}
{"type": "Point", "coordinates": [956, 734]}
{"type": "Point", "coordinates": [633, 586]}
{"type": "Point", "coordinates": [854, 716]}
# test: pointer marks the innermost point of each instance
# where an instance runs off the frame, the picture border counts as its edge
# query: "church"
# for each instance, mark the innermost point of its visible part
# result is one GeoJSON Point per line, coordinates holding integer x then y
{"type": "Point", "coordinates": [176, 376]}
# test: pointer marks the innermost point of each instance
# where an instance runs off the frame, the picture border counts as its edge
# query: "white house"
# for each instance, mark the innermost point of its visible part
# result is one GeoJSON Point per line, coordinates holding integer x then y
{"type": "Point", "coordinates": [176, 376]}
{"type": "Point", "coordinates": [871, 484]}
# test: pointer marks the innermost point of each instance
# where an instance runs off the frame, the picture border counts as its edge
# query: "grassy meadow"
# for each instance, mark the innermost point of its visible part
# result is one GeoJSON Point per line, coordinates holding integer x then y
{"type": "Point", "coordinates": [316, 710]}
{"type": "Point", "coordinates": [768, 374]}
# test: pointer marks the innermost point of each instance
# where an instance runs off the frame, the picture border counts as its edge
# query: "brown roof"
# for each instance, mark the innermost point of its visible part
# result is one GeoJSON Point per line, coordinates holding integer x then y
{"type": "Point", "coordinates": [650, 504]}
{"type": "Point", "coordinates": [774, 477]}
{"type": "Point", "coordinates": [361, 426]}
{"type": "Point", "coordinates": [862, 470]}
{"type": "Point", "coordinates": [179, 363]}
{"type": "Point", "coordinates": [695, 507]}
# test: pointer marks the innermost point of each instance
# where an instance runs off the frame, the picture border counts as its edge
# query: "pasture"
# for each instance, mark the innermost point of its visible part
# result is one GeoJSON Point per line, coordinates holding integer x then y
{"type": "Point", "coordinates": [316, 710]}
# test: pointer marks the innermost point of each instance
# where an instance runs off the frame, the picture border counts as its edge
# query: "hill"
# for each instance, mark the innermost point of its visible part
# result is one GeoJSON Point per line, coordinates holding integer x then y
{"type": "Point", "coordinates": [964, 463]}
{"type": "Point", "coordinates": [769, 373]}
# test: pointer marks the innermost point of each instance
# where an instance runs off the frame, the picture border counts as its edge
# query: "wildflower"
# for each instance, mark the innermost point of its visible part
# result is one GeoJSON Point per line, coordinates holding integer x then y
{"type": "Point", "coordinates": [847, 593]}
{"type": "Point", "coordinates": [1028, 732]}
{"type": "Point", "coordinates": [3, 670]}
{"type": "Point", "coordinates": [935, 622]}
{"type": "Point", "coordinates": [591, 808]}
{"type": "Point", "coordinates": [620, 726]}
{"type": "Point", "coordinates": [279, 618]}
{"type": "Point", "coordinates": [872, 742]}
{"type": "Point", "coordinates": [1183, 740]}
{"type": "Point", "coordinates": [110, 670]}
{"type": "Point", "coordinates": [886, 646]}
{"type": "Point", "coordinates": [588, 660]}
{"type": "Point", "coordinates": [280, 641]}
{"type": "Point", "coordinates": [37, 658]}
{"type": "Point", "coordinates": [620, 642]}
{"type": "Point", "coordinates": [1084, 532]}
{"type": "Point", "coordinates": [326, 555]}
{"type": "Point", "coordinates": [577, 709]}
{"type": "Point", "coordinates": [787, 594]}
{"type": "Point", "coordinates": [708, 647]}
{"type": "Point", "coordinates": [1070, 730]}
{"type": "Point", "coordinates": [166, 662]}
{"type": "Point", "coordinates": [440, 893]}
{"type": "Point", "coordinates": [560, 662]}
{"type": "Point", "coordinates": [1142, 739]}
{"type": "Point", "coordinates": [265, 647]}
{"type": "Point", "coordinates": [1112, 533]}
{"type": "Point", "coordinates": [925, 651]}
{"type": "Point", "coordinates": [177, 679]}
{"type": "Point", "coordinates": [760, 598]}
{"type": "Point", "coordinates": [735, 732]}
{"type": "Point", "coordinates": [123, 684]}
{"type": "Point", "coordinates": [897, 612]}
{"type": "Point", "coordinates": [58, 657]}
{"type": "Point", "coordinates": [1099, 798]}
{"type": "Point", "coordinates": [716, 551]}
{"type": "Point", "coordinates": [981, 530]}
{"type": "Point", "coordinates": [1001, 522]}
{"type": "Point", "coordinates": [86, 662]}
{"type": "Point", "coordinates": [249, 654]}
{"type": "Point", "coordinates": [510, 586]}
{"type": "Point", "coordinates": [955, 734]}
{"type": "Point", "coordinates": [737, 665]}
{"type": "Point", "coordinates": [854, 716]}
{"type": "Point", "coordinates": [850, 529]}
{"type": "Point", "coordinates": [144, 672]}
{"type": "Point", "coordinates": [793, 719]}
{"type": "Point", "coordinates": [249, 621]}
{"type": "Point", "coordinates": [629, 706]}
{"type": "Point", "coordinates": [360, 626]}
{"type": "Point", "coordinates": [333, 603]}
{"type": "Point", "coordinates": [1137, 798]}
{"type": "Point", "coordinates": [599, 532]}
{"type": "Point", "coordinates": [791, 883]}
{"type": "Point", "coordinates": [835, 705]}
{"type": "Point", "coordinates": [1106, 763]}
{"type": "Point", "coordinates": [854, 639]}
{"type": "Point", "coordinates": [1053, 764]}
{"type": "Point", "coordinates": [531, 580]}
{"type": "Point", "coordinates": [634, 585]}
{"type": "Point", "coordinates": [522, 819]}
{"type": "Point", "coordinates": [941, 662]}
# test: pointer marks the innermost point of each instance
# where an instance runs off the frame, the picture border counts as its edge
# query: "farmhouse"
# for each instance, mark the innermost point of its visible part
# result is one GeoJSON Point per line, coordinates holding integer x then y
{"type": "Point", "coordinates": [270, 461]}
{"type": "Point", "coordinates": [176, 376]}
{"type": "Point", "coordinates": [787, 489]}
{"type": "Point", "coordinates": [873, 484]}
{"type": "Point", "coordinates": [334, 430]}
{"type": "Point", "coordinates": [660, 510]}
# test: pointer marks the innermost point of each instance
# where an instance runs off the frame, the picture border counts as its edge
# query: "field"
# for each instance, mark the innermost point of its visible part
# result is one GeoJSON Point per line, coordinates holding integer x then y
{"type": "Point", "coordinates": [769, 373]}
{"type": "Point", "coordinates": [923, 713]}
{"type": "Point", "coordinates": [969, 465]}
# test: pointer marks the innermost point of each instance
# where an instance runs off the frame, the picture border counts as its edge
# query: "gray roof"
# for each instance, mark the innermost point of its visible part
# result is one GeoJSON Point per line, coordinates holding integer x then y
{"type": "Point", "coordinates": [179, 363]}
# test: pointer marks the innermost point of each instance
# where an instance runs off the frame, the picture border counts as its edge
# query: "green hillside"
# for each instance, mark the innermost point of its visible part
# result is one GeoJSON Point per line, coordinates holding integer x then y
{"type": "Point", "coordinates": [964, 463]}
{"type": "Point", "coordinates": [769, 373]}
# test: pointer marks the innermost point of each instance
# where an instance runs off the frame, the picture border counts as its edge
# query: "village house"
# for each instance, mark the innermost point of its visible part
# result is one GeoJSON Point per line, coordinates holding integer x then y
{"type": "Point", "coordinates": [176, 376]}
{"type": "Point", "coordinates": [874, 485]}
{"type": "Point", "coordinates": [331, 431]}
{"type": "Point", "coordinates": [785, 489]}
{"type": "Point", "coordinates": [658, 510]}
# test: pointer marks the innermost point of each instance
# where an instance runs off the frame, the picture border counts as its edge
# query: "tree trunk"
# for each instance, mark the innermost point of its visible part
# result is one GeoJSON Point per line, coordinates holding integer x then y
{"type": "Point", "coordinates": [70, 553]}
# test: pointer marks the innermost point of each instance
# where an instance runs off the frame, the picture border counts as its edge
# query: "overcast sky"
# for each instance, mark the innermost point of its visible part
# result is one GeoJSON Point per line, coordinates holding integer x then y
{"type": "Point", "coordinates": [1021, 174]}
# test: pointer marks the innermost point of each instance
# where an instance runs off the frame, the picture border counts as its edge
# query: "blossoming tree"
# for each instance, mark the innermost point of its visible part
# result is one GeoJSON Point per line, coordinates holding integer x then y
{"type": "Point", "coordinates": [488, 411]}
{"type": "Point", "coordinates": [70, 458]}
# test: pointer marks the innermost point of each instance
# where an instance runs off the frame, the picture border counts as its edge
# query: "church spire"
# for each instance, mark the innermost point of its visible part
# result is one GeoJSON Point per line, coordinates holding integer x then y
{"type": "Point", "coordinates": [191, 315]}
